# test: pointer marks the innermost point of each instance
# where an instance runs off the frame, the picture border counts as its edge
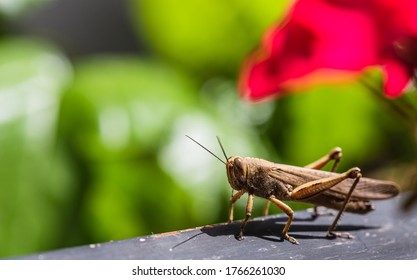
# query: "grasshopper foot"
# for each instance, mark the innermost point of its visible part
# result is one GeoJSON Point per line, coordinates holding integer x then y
{"type": "Point", "coordinates": [336, 153]}
{"type": "Point", "coordinates": [239, 237]}
{"type": "Point", "coordinates": [291, 239]}
{"type": "Point", "coordinates": [333, 235]}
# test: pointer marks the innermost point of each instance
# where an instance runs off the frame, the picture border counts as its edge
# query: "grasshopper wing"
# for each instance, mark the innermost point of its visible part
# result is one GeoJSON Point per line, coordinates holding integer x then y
{"type": "Point", "coordinates": [366, 189]}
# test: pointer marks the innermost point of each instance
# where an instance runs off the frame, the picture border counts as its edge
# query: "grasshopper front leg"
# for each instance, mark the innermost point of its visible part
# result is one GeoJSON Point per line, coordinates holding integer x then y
{"type": "Point", "coordinates": [335, 154]}
{"type": "Point", "coordinates": [249, 206]}
{"type": "Point", "coordinates": [235, 197]}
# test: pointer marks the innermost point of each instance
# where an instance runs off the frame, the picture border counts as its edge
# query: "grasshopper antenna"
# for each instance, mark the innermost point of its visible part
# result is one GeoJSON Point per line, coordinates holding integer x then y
{"type": "Point", "coordinates": [221, 146]}
{"type": "Point", "coordinates": [208, 149]}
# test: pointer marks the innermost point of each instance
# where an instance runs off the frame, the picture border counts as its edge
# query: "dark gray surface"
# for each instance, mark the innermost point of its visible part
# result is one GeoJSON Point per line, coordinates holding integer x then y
{"type": "Point", "coordinates": [385, 233]}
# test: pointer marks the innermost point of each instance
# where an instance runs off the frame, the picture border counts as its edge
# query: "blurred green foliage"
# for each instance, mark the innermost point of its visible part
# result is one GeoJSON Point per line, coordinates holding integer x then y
{"type": "Point", "coordinates": [208, 37]}
{"type": "Point", "coordinates": [95, 150]}
{"type": "Point", "coordinates": [124, 122]}
{"type": "Point", "coordinates": [36, 188]}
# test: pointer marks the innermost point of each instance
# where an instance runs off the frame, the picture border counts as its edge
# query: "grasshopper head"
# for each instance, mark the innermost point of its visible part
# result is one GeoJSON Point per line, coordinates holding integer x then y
{"type": "Point", "coordinates": [237, 171]}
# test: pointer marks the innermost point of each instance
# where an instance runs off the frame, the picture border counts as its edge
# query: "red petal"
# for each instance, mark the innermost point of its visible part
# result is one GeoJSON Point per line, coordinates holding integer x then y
{"type": "Point", "coordinates": [316, 36]}
{"type": "Point", "coordinates": [397, 76]}
{"type": "Point", "coordinates": [343, 35]}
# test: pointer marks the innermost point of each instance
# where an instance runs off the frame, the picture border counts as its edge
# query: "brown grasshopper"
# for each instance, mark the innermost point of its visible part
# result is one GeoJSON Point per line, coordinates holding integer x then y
{"type": "Point", "coordinates": [347, 191]}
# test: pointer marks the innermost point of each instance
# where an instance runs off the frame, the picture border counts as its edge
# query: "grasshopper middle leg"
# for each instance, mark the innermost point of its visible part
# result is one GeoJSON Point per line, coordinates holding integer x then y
{"type": "Point", "coordinates": [290, 213]}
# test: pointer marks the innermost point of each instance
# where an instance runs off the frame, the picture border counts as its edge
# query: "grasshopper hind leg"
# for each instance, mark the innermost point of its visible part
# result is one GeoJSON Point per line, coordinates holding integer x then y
{"type": "Point", "coordinates": [334, 155]}
{"type": "Point", "coordinates": [330, 232]}
{"type": "Point", "coordinates": [312, 188]}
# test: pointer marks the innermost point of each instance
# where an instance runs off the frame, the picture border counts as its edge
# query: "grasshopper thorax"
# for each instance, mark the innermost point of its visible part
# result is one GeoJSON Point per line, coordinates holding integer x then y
{"type": "Point", "coordinates": [237, 171]}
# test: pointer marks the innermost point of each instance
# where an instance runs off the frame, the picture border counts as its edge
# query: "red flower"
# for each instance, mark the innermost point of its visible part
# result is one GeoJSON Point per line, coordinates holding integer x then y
{"type": "Point", "coordinates": [321, 36]}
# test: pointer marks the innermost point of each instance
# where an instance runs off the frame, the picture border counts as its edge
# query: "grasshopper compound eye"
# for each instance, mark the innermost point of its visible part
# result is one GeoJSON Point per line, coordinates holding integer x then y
{"type": "Point", "coordinates": [239, 168]}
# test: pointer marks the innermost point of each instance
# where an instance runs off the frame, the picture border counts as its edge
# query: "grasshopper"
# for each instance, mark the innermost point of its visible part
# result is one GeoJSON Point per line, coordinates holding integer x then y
{"type": "Point", "coordinates": [347, 191]}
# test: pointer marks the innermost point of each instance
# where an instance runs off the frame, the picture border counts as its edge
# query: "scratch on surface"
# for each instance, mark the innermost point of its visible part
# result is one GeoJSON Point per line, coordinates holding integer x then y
{"type": "Point", "coordinates": [391, 241]}
{"type": "Point", "coordinates": [385, 227]}
{"type": "Point", "coordinates": [297, 257]}
{"type": "Point", "coordinates": [214, 257]}
{"type": "Point", "coordinates": [365, 247]}
{"type": "Point", "coordinates": [336, 257]}
{"type": "Point", "coordinates": [331, 245]}
{"type": "Point", "coordinates": [94, 245]}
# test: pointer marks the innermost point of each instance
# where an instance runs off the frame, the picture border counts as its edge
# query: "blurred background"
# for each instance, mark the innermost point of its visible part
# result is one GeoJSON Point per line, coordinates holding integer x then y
{"type": "Point", "coordinates": [96, 98]}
